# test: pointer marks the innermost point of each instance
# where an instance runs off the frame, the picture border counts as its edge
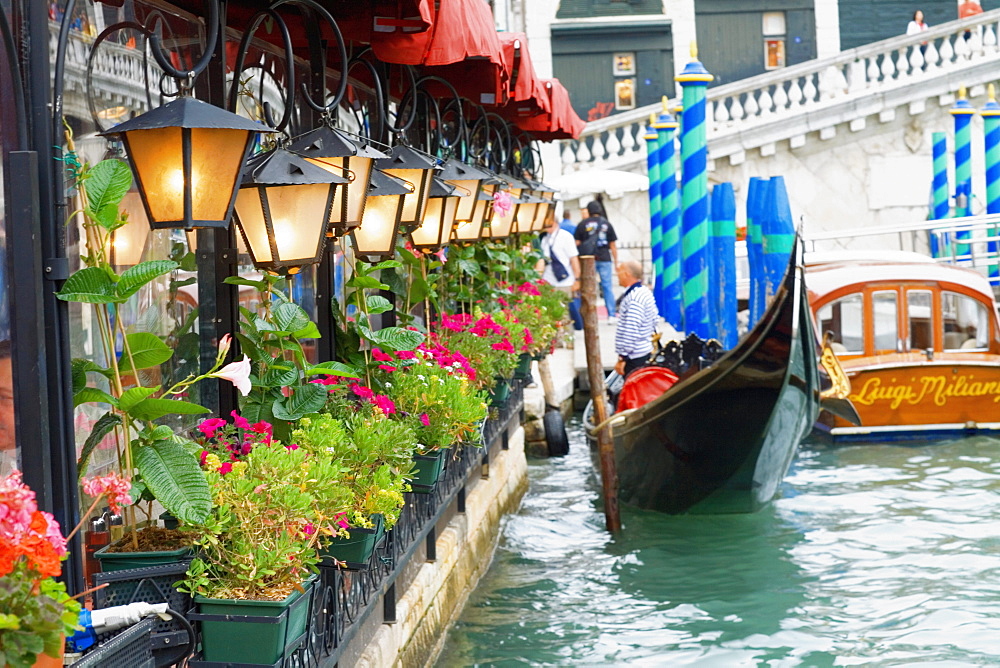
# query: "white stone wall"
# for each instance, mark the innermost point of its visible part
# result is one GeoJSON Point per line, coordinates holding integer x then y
{"type": "Point", "coordinates": [827, 28]}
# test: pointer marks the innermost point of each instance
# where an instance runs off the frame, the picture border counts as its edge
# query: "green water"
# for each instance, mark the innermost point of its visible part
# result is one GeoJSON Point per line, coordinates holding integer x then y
{"type": "Point", "coordinates": [872, 556]}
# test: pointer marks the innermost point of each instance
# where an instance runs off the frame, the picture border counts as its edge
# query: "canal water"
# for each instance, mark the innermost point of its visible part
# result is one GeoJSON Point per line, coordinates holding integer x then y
{"type": "Point", "coordinates": [873, 555]}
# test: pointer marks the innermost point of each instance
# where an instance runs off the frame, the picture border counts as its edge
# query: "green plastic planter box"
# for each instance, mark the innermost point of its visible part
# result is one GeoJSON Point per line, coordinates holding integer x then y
{"type": "Point", "coordinates": [500, 392]}
{"type": "Point", "coordinates": [523, 369]}
{"type": "Point", "coordinates": [119, 561]}
{"type": "Point", "coordinates": [427, 470]}
{"type": "Point", "coordinates": [357, 550]}
{"type": "Point", "coordinates": [269, 630]}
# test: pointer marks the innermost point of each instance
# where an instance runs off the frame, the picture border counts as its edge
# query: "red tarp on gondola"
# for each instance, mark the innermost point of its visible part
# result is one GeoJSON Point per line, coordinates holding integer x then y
{"type": "Point", "coordinates": [528, 96]}
{"type": "Point", "coordinates": [559, 123]}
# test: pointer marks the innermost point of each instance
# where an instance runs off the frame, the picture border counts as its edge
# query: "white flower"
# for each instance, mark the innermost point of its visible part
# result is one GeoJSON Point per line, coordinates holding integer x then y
{"type": "Point", "coordinates": [237, 373]}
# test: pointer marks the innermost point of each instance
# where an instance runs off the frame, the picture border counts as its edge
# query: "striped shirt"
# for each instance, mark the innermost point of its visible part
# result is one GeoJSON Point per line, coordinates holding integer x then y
{"type": "Point", "coordinates": [637, 316]}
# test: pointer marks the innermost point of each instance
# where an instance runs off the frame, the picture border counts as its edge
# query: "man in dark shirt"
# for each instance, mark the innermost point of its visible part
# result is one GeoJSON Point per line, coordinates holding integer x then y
{"type": "Point", "coordinates": [595, 236]}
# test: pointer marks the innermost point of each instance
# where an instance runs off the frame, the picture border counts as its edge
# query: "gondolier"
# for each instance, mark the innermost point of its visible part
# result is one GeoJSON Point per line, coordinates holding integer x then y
{"type": "Point", "coordinates": [637, 316]}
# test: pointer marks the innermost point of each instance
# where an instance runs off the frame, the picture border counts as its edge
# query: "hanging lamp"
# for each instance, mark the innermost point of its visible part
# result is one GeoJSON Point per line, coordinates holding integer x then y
{"type": "Point", "coordinates": [375, 238]}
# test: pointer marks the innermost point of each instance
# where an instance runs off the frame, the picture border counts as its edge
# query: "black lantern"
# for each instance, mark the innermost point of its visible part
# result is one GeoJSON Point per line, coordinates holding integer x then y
{"type": "Point", "coordinates": [375, 238]}
{"type": "Point", "coordinates": [439, 217]}
{"type": "Point", "coordinates": [337, 152]}
{"type": "Point", "coordinates": [417, 169]}
{"type": "Point", "coordinates": [282, 209]}
{"type": "Point", "coordinates": [188, 158]}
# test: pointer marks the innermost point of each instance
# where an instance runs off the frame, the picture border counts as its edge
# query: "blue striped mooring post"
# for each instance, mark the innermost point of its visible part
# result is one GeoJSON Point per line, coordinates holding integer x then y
{"type": "Point", "coordinates": [991, 140]}
{"type": "Point", "coordinates": [939, 195]}
{"type": "Point", "coordinates": [755, 250]}
{"type": "Point", "coordinates": [694, 79]}
{"type": "Point", "coordinates": [711, 262]}
{"type": "Point", "coordinates": [655, 222]}
{"type": "Point", "coordinates": [724, 266]}
{"type": "Point", "coordinates": [778, 232]}
{"type": "Point", "coordinates": [670, 221]}
{"type": "Point", "coordinates": [963, 112]}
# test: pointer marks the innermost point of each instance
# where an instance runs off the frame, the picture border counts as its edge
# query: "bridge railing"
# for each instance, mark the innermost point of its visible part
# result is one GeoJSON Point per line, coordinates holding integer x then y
{"type": "Point", "coordinates": [734, 107]}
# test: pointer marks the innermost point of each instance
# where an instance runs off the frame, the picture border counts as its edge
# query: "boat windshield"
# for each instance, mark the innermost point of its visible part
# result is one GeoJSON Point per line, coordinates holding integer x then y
{"type": "Point", "coordinates": [844, 320]}
{"type": "Point", "coordinates": [966, 323]}
{"type": "Point", "coordinates": [886, 322]}
{"type": "Point", "coordinates": [918, 307]}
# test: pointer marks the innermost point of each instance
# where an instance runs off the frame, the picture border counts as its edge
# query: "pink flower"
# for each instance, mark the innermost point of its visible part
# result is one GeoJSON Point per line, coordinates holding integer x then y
{"type": "Point", "coordinates": [504, 345]}
{"type": "Point", "coordinates": [225, 468]}
{"type": "Point", "coordinates": [115, 488]}
{"type": "Point", "coordinates": [326, 380]}
{"type": "Point", "coordinates": [204, 456]}
{"type": "Point", "coordinates": [309, 529]}
{"type": "Point", "coordinates": [380, 356]}
{"type": "Point", "coordinates": [210, 426]}
{"type": "Point", "coordinates": [502, 203]}
{"type": "Point", "coordinates": [239, 421]}
{"type": "Point", "coordinates": [406, 354]}
{"type": "Point", "coordinates": [384, 403]}
{"type": "Point", "coordinates": [387, 368]}
{"type": "Point", "coordinates": [528, 289]}
{"type": "Point", "coordinates": [17, 505]}
{"type": "Point", "coordinates": [424, 420]}
{"type": "Point", "coordinates": [237, 373]}
{"type": "Point", "coordinates": [361, 391]}
{"type": "Point", "coordinates": [293, 446]}
{"type": "Point", "coordinates": [53, 535]}
{"type": "Point", "coordinates": [341, 520]}
{"type": "Point", "coordinates": [224, 343]}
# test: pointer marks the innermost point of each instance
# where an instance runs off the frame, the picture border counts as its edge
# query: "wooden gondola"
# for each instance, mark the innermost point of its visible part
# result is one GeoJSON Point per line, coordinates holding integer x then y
{"type": "Point", "coordinates": [721, 439]}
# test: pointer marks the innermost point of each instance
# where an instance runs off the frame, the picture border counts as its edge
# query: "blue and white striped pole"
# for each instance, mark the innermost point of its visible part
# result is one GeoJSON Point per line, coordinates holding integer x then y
{"type": "Point", "coordinates": [655, 221]}
{"type": "Point", "coordinates": [963, 112]}
{"type": "Point", "coordinates": [778, 231]}
{"type": "Point", "coordinates": [939, 204]}
{"type": "Point", "coordinates": [991, 140]}
{"type": "Point", "coordinates": [724, 244]}
{"type": "Point", "coordinates": [755, 250]}
{"type": "Point", "coordinates": [670, 222]}
{"type": "Point", "coordinates": [694, 196]}
{"type": "Point", "coordinates": [711, 263]}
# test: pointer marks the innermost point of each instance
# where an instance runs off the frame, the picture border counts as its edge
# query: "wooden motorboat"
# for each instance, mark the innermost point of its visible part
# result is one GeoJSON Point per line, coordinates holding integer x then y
{"type": "Point", "coordinates": [721, 439]}
{"type": "Point", "coordinates": [919, 341]}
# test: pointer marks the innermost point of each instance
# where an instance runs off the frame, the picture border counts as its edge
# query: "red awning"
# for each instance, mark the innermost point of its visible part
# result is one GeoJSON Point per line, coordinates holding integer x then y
{"type": "Point", "coordinates": [560, 123]}
{"type": "Point", "coordinates": [528, 96]}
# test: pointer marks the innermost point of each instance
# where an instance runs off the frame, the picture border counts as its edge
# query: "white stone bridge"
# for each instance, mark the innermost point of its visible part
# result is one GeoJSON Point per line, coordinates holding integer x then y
{"type": "Point", "coordinates": [851, 133]}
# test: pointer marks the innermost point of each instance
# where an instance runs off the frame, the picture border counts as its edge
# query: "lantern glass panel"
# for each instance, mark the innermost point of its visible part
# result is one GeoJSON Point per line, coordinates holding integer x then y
{"type": "Point", "coordinates": [500, 227]}
{"type": "Point", "coordinates": [129, 241]}
{"type": "Point", "coordinates": [377, 234]}
{"type": "Point", "coordinates": [429, 232]}
{"type": "Point", "coordinates": [525, 215]}
{"type": "Point", "coordinates": [468, 191]}
{"type": "Point", "coordinates": [297, 224]}
{"type": "Point", "coordinates": [216, 162]}
{"type": "Point", "coordinates": [413, 203]}
{"type": "Point", "coordinates": [356, 191]}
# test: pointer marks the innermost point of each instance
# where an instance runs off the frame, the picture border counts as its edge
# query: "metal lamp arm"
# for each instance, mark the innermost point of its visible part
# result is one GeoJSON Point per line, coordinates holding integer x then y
{"type": "Point", "coordinates": [212, 36]}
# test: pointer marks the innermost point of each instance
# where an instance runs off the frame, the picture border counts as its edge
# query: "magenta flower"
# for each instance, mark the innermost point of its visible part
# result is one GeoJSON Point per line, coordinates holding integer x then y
{"type": "Point", "coordinates": [225, 468]}
{"type": "Point", "coordinates": [362, 391]}
{"type": "Point", "coordinates": [384, 403]}
{"type": "Point", "coordinates": [293, 446]}
{"type": "Point", "coordinates": [504, 345]}
{"type": "Point", "coordinates": [380, 356]}
{"type": "Point", "coordinates": [210, 426]}
{"type": "Point", "coordinates": [424, 420]}
{"type": "Point", "coordinates": [239, 421]}
{"type": "Point", "coordinates": [204, 456]}
{"type": "Point", "coordinates": [387, 368]}
{"type": "Point", "coordinates": [406, 354]}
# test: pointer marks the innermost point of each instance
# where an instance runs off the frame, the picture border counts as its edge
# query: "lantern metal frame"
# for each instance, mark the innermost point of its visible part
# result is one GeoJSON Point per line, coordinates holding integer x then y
{"type": "Point", "coordinates": [280, 168]}
{"type": "Point", "coordinates": [416, 168]}
{"type": "Point", "coordinates": [436, 228]}
{"type": "Point", "coordinates": [393, 190]}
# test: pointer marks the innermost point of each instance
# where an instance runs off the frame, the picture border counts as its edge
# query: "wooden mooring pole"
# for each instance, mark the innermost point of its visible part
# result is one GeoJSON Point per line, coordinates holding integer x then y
{"type": "Point", "coordinates": [595, 372]}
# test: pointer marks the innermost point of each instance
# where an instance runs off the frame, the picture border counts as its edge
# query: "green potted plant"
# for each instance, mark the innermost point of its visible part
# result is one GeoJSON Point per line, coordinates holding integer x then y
{"type": "Point", "coordinates": [36, 614]}
{"type": "Point", "coordinates": [258, 547]}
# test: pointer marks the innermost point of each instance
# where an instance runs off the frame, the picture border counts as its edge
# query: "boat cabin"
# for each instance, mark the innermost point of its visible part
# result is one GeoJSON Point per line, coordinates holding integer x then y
{"type": "Point", "coordinates": [889, 304]}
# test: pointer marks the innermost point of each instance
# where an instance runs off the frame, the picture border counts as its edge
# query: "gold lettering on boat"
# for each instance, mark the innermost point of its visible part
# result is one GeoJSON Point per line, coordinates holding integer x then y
{"type": "Point", "coordinates": [936, 389]}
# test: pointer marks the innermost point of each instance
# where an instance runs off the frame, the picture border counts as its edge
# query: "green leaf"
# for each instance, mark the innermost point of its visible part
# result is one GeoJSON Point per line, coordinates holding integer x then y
{"type": "Point", "coordinates": [152, 409]}
{"type": "Point", "coordinates": [290, 317]}
{"type": "Point", "coordinates": [309, 398]}
{"type": "Point", "coordinates": [237, 280]}
{"type": "Point", "coordinates": [106, 184]}
{"type": "Point", "coordinates": [366, 282]}
{"type": "Point", "coordinates": [278, 376]}
{"type": "Point", "coordinates": [88, 394]}
{"type": "Point", "coordinates": [147, 350]}
{"type": "Point", "coordinates": [470, 267]}
{"type": "Point", "coordinates": [418, 290]}
{"type": "Point", "coordinates": [175, 479]}
{"type": "Point", "coordinates": [334, 369]}
{"type": "Point", "coordinates": [310, 331]}
{"type": "Point", "coordinates": [258, 409]}
{"type": "Point", "coordinates": [80, 368]}
{"type": "Point", "coordinates": [378, 304]}
{"type": "Point", "coordinates": [386, 264]}
{"type": "Point", "coordinates": [133, 278]}
{"type": "Point", "coordinates": [134, 396]}
{"type": "Point", "coordinates": [101, 428]}
{"type": "Point", "coordinates": [90, 285]}
{"type": "Point", "coordinates": [397, 338]}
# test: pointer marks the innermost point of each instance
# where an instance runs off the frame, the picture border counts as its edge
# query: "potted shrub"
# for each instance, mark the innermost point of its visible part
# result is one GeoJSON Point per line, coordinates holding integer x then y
{"type": "Point", "coordinates": [36, 614]}
{"type": "Point", "coordinates": [258, 547]}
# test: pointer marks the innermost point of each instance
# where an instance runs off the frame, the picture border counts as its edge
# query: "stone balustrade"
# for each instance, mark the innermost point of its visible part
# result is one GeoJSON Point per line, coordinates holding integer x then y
{"type": "Point", "coordinates": [944, 53]}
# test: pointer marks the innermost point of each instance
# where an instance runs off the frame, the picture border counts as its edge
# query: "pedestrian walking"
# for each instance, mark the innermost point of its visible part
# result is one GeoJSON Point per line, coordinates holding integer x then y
{"type": "Point", "coordinates": [562, 265]}
{"type": "Point", "coordinates": [595, 236]}
{"type": "Point", "coordinates": [637, 318]}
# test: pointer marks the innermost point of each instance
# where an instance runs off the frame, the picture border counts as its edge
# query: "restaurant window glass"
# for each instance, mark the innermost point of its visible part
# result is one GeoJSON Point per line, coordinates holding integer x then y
{"type": "Point", "coordinates": [920, 317]}
{"type": "Point", "coordinates": [965, 321]}
{"type": "Point", "coordinates": [9, 454]}
{"type": "Point", "coordinates": [843, 319]}
{"type": "Point", "coordinates": [885, 320]}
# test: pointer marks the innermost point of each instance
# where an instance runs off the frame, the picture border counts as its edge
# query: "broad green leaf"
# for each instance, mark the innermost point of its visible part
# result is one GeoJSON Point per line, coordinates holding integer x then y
{"type": "Point", "coordinates": [153, 409]}
{"type": "Point", "coordinates": [135, 395]}
{"type": "Point", "coordinates": [309, 398]}
{"type": "Point", "coordinates": [90, 285]}
{"type": "Point", "coordinates": [251, 350]}
{"type": "Point", "coordinates": [145, 350]}
{"type": "Point", "coordinates": [258, 409]}
{"type": "Point", "coordinates": [106, 184]}
{"type": "Point", "coordinates": [175, 479]}
{"type": "Point", "coordinates": [174, 285]}
{"type": "Point", "coordinates": [386, 264]}
{"type": "Point", "coordinates": [418, 290]}
{"type": "Point", "coordinates": [397, 338]}
{"type": "Point", "coordinates": [80, 368]}
{"type": "Point", "coordinates": [290, 317]}
{"type": "Point", "coordinates": [101, 428]}
{"type": "Point", "coordinates": [333, 369]}
{"type": "Point", "coordinates": [238, 280]}
{"type": "Point", "coordinates": [310, 331]}
{"type": "Point", "coordinates": [366, 282]}
{"type": "Point", "coordinates": [378, 304]}
{"type": "Point", "coordinates": [279, 377]}
{"type": "Point", "coordinates": [470, 267]}
{"type": "Point", "coordinates": [134, 278]}
{"type": "Point", "coordinates": [88, 394]}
